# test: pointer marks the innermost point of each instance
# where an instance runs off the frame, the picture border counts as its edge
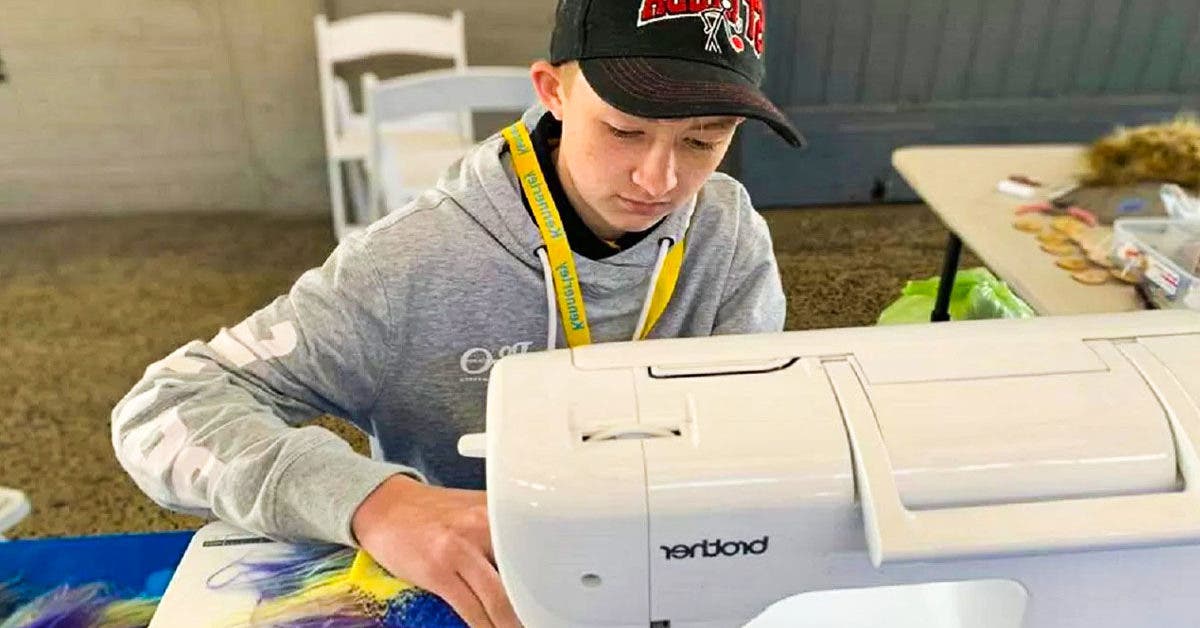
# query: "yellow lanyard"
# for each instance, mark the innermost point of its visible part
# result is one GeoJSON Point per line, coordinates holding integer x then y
{"type": "Point", "coordinates": [562, 262]}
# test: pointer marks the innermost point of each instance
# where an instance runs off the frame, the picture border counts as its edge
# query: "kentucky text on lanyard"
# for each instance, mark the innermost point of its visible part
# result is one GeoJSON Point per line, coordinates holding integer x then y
{"type": "Point", "coordinates": [566, 278]}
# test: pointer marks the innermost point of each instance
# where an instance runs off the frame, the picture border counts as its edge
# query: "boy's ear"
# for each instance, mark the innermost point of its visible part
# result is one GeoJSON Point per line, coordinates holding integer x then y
{"type": "Point", "coordinates": [550, 87]}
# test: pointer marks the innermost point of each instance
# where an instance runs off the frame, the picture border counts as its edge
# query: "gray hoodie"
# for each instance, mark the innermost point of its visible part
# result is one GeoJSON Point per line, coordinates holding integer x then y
{"type": "Point", "coordinates": [397, 332]}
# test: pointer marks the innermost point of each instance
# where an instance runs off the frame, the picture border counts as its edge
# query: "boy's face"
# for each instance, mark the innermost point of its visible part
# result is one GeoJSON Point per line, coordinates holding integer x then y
{"type": "Point", "coordinates": [629, 172]}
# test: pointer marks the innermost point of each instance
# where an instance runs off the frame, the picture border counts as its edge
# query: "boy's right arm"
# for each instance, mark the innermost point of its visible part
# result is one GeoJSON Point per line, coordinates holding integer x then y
{"type": "Point", "coordinates": [210, 429]}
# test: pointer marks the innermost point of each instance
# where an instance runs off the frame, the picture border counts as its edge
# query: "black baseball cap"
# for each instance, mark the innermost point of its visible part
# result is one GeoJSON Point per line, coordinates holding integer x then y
{"type": "Point", "coordinates": [672, 58]}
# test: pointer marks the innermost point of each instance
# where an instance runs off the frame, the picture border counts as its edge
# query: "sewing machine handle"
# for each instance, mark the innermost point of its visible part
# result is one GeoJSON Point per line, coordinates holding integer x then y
{"type": "Point", "coordinates": [896, 534]}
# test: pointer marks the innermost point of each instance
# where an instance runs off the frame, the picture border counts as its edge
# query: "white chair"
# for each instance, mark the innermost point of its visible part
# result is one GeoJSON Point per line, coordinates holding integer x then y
{"type": "Point", "coordinates": [363, 37]}
{"type": "Point", "coordinates": [404, 161]}
{"type": "Point", "coordinates": [14, 507]}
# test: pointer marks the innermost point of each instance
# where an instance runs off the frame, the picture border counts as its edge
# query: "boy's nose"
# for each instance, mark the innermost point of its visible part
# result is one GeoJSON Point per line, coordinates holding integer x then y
{"type": "Point", "coordinates": [656, 173]}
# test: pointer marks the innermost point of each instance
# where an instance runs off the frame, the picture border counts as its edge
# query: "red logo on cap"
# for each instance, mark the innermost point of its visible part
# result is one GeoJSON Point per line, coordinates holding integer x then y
{"type": "Point", "coordinates": [740, 22]}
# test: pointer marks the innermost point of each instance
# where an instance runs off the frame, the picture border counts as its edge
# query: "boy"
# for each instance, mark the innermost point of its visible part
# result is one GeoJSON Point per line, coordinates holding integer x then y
{"type": "Point", "coordinates": [596, 218]}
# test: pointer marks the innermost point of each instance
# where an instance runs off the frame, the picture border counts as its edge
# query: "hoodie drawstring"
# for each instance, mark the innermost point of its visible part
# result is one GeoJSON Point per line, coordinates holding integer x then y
{"type": "Point", "coordinates": [664, 247]}
{"type": "Point", "coordinates": [551, 310]}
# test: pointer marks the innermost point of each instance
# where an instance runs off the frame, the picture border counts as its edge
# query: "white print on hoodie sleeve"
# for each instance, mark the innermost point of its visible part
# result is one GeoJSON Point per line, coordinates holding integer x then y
{"type": "Point", "coordinates": [211, 429]}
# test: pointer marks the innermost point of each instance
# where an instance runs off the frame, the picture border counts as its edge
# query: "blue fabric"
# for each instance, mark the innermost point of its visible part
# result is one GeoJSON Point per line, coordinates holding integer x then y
{"type": "Point", "coordinates": [132, 565]}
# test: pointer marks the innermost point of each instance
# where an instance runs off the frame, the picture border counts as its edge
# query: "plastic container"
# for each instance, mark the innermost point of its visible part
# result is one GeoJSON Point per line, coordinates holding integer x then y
{"type": "Point", "coordinates": [1166, 253]}
{"type": "Point", "coordinates": [1180, 205]}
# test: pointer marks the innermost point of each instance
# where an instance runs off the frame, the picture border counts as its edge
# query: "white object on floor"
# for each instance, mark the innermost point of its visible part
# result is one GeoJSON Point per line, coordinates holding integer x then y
{"type": "Point", "coordinates": [14, 507]}
{"type": "Point", "coordinates": [346, 142]}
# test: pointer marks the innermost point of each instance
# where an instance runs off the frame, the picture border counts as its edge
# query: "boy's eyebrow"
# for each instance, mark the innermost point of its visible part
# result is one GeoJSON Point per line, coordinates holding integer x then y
{"type": "Point", "coordinates": [722, 124]}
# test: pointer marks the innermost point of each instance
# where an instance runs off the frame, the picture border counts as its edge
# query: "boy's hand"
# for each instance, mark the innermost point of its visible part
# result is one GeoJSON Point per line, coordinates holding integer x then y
{"type": "Point", "coordinates": [437, 539]}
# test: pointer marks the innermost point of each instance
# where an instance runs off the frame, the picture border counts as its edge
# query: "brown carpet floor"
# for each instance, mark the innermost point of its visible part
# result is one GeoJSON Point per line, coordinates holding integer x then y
{"type": "Point", "coordinates": [87, 303]}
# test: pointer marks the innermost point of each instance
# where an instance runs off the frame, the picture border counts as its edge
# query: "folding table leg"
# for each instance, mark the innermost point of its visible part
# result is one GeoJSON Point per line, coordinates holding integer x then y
{"type": "Point", "coordinates": [941, 307]}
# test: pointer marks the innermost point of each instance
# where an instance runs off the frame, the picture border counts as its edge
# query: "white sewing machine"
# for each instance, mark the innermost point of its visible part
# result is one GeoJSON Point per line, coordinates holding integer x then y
{"type": "Point", "coordinates": [1026, 473]}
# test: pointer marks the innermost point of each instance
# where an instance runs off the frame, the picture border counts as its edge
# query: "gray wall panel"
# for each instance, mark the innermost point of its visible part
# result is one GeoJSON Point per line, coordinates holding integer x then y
{"type": "Point", "coordinates": [1189, 67]}
{"type": "Point", "coordinates": [1099, 44]}
{"type": "Point", "coordinates": [885, 50]}
{"type": "Point", "coordinates": [814, 35]}
{"type": "Point", "coordinates": [1029, 41]}
{"type": "Point", "coordinates": [1056, 70]}
{"type": "Point", "coordinates": [926, 18]}
{"type": "Point", "coordinates": [867, 76]}
{"type": "Point", "coordinates": [993, 49]}
{"type": "Point", "coordinates": [851, 35]}
{"type": "Point", "coordinates": [959, 34]}
{"type": "Point", "coordinates": [1170, 45]}
{"type": "Point", "coordinates": [1135, 41]}
{"type": "Point", "coordinates": [782, 56]}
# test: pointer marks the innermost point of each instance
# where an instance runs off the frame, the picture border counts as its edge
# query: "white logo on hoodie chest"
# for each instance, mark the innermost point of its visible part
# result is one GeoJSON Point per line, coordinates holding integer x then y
{"type": "Point", "coordinates": [477, 361]}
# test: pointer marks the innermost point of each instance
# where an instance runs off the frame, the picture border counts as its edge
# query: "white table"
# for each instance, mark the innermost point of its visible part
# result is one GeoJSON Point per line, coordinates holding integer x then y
{"type": "Point", "coordinates": [189, 602]}
{"type": "Point", "coordinates": [959, 185]}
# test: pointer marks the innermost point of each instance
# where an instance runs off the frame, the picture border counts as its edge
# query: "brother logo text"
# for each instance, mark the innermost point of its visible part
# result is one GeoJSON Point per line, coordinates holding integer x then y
{"type": "Point", "coordinates": [713, 549]}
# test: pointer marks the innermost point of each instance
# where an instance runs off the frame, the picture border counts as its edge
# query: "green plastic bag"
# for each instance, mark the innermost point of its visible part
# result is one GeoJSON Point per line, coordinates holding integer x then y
{"type": "Point", "coordinates": [977, 294]}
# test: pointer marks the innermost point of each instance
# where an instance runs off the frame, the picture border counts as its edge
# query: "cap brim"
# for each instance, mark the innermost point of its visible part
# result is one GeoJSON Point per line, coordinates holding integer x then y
{"type": "Point", "coordinates": [650, 87]}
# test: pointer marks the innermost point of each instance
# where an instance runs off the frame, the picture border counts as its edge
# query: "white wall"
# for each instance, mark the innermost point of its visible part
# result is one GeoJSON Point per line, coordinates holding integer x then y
{"type": "Point", "coordinates": [160, 105]}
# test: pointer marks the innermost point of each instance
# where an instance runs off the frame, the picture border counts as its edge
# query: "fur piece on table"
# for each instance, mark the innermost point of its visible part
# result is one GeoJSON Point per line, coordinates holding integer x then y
{"type": "Point", "coordinates": [1168, 152]}
{"type": "Point", "coordinates": [332, 588]}
{"type": "Point", "coordinates": [87, 606]}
